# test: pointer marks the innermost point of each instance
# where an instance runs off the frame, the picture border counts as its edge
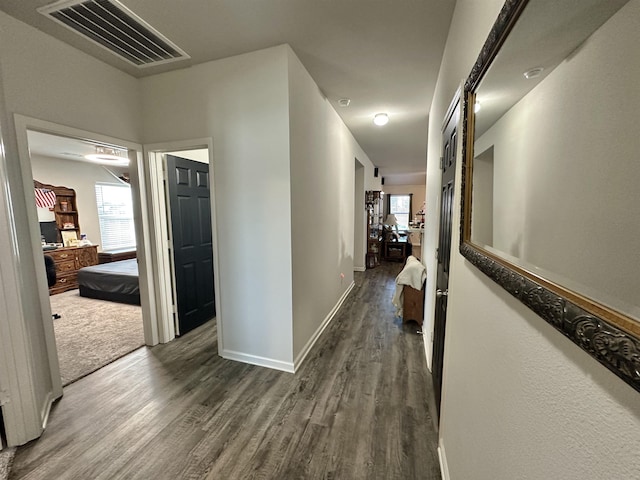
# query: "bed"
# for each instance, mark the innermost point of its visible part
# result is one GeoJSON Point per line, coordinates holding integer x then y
{"type": "Point", "coordinates": [115, 281]}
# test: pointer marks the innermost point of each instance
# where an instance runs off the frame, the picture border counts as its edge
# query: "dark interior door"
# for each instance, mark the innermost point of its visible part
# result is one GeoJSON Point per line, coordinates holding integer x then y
{"type": "Point", "coordinates": [449, 139]}
{"type": "Point", "coordinates": [190, 204]}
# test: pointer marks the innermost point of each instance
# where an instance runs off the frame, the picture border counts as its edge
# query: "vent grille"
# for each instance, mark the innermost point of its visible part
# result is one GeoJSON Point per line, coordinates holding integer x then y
{"type": "Point", "coordinates": [116, 28]}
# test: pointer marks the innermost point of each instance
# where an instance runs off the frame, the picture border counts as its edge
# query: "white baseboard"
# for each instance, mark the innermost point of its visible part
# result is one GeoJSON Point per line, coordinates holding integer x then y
{"type": "Point", "coordinates": [428, 355]}
{"type": "Point", "coordinates": [314, 338]}
{"type": "Point", "coordinates": [256, 360]}
{"type": "Point", "coordinates": [359, 269]}
{"type": "Point", "coordinates": [287, 366]}
{"type": "Point", "coordinates": [444, 468]}
{"type": "Point", "coordinates": [46, 410]}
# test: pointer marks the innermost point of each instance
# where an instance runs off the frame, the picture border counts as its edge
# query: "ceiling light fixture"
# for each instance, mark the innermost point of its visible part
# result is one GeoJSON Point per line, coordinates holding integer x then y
{"type": "Point", "coordinates": [477, 107]}
{"type": "Point", "coordinates": [381, 119]}
{"type": "Point", "coordinates": [344, 102]}
{"type": "Point", "coordinates": [533, 73]}
{"type": "Point", "coordinates": [108, 154]}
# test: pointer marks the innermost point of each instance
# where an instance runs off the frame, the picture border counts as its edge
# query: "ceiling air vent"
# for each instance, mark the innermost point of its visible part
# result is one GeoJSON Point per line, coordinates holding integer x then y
{"type": "Point", "coordinates": [116, 28]}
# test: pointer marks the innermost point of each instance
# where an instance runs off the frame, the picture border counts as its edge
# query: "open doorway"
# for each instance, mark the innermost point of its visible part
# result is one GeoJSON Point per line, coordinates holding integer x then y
{"type": "Point", "coordinates": [33, 239]}
{"type": "Point", "coordinates": [181, 190]}
{"type": "Point", "coordinates": [86, 224]}
{"type": "Point", "coordinates": [145, 207]}
{"type": "Point", "coordinates": [359, 227]}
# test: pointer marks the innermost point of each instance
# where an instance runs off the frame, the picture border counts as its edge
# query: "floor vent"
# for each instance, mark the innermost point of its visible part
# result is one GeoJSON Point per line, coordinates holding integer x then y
{"type": "Point", "coordinates": [116, 28]}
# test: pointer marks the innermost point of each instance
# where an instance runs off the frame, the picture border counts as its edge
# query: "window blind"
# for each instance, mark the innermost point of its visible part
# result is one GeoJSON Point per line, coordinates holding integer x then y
{"type": "Point", "coordinates": [115, 211]}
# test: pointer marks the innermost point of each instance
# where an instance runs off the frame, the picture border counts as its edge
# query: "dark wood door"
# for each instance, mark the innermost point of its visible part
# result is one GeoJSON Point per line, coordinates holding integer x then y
{"type": "Point", "coordinates": [190, 204]}
{"type": "Point", "coordinates": [448, 164]}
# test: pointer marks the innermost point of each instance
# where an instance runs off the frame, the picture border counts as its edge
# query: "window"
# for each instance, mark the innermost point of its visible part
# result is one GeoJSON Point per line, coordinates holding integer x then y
{"type": "Point", "coordinates": [400, 206]}
{"type": "Point", "coordinates": [115, 211]}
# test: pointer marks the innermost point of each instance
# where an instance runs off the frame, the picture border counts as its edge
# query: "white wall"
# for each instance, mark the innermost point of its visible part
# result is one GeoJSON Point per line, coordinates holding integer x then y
{"type": "Point", "coordinates": [82, 177]}
{"type": "Point", "coordinates": [577, 187]}
{"type": "Point", "coordinates": [519, 399]}
{"type": "Point", "coordinates": [284, 190]}
{"type": "Point", "coordinates": [197, 155]}
{"type": "Point", "coordinates": [323, 152]}
{"type": "Point", "coordinates": [483, 201]}
{"type": "Point", "coordinates": [242, 102]}
{"type": "Point", "coordinates": [48, 80]}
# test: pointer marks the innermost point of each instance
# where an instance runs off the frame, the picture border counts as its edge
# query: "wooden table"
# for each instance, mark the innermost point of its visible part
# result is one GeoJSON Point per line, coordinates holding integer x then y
{"type": "Point", "coordinates": [397, 250]}
{"type": "Point", "coordinates": [68, 261]}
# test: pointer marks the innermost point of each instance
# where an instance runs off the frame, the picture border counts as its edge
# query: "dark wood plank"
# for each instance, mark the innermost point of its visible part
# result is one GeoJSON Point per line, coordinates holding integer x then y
{"type": "Point", "coordinates": [356, 409]}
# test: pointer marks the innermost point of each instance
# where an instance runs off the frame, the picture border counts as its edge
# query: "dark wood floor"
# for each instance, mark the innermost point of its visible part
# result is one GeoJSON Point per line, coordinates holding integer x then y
{"type": "Point", "coordinates": [356, 409]}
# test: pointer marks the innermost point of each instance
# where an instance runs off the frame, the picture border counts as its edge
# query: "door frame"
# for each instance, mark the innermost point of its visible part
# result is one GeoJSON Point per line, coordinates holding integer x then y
{"type": "Point", "coordinates": [433, 234]}
{"type": "Point", "coordinates": [156, 198]}
{"type": "Point", "coordinates": [24, 415]}
{"type": "Point", "coordinates": [23, 124]}
{"type": "Point", "coordinates": [27, 424]}
{"type": "Point", "coordinates": [359, 218]}
{"type": "Point", "coordinates": [438, 369]}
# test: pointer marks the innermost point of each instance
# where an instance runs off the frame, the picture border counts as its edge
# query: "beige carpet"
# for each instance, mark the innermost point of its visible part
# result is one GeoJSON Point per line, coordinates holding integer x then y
{"type": "Point", "coordinates": [92, 333]}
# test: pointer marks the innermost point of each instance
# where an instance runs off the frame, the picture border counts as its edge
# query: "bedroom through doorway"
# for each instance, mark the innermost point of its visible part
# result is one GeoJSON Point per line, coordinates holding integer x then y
{"type": "Point", "coordinates": [85, 213]}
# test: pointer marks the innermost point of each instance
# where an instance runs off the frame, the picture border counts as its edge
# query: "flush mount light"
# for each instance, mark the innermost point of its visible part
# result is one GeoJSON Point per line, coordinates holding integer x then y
{"type": "Point", "coordinates": [477, 107]}
{"type": "Point", "coordinates": [381, 119]}
{"type": "Point", "coordinates": [344, 102]}
{"type": "Point", "coordinates": [533, 73]}
{"type": "Point", "coordinates": [108, 154]}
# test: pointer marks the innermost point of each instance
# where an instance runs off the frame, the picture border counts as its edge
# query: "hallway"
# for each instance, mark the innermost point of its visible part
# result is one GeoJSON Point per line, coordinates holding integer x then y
{"type": "Point", "coordinates": [356, 409]}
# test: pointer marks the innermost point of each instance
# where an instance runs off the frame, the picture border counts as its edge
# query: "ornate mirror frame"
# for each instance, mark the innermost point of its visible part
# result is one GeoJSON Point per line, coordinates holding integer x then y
{"type": "Point", "coordinates": [610, 337]}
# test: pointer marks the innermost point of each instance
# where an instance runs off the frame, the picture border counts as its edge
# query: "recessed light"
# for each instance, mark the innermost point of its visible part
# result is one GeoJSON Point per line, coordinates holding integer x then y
{"type": "Point", "coordinates": [381, 119]}
{"type": "Point", "coordinates": [344, 102]}
{"type": "Point", "coordinates": [533, 73]}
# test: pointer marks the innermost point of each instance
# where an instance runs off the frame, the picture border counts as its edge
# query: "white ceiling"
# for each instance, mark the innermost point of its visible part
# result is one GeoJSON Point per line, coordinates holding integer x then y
{"type": "Point", "coordinates": [382, 54]}
{"type": "Point", "coordinates": [66, 148]}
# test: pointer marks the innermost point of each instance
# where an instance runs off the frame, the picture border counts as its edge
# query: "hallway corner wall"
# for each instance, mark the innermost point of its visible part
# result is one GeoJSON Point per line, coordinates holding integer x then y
{"type": "Point", "coordinates": [323, 152]}
{"type": "Point", "coordinates": [242, 103]}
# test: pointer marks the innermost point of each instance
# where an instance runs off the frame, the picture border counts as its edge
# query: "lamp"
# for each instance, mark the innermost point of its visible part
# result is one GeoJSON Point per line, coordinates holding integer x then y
{"type": "Point", "coordinates": [392, 221]}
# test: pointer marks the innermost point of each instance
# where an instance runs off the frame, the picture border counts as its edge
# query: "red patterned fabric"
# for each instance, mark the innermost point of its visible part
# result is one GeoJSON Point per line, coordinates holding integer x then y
{"type": "Point", "coordinates": [45, 198]}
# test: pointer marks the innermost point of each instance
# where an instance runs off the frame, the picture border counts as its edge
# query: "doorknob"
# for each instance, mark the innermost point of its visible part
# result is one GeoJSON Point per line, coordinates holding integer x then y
{"type": "Point", "coordinates": [442, 293]}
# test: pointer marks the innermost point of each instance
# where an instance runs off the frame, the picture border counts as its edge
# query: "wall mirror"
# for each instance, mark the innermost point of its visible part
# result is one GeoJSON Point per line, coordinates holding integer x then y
{"type": "Point", "coordinates": [551, 174]}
